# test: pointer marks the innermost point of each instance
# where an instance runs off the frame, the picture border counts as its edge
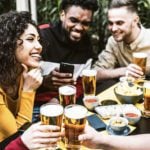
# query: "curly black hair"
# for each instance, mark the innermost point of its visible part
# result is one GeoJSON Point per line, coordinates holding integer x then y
{"type": "Point", "coordinates": [85, 4]}
{"type": "Point", "coordinates": [12, 26]}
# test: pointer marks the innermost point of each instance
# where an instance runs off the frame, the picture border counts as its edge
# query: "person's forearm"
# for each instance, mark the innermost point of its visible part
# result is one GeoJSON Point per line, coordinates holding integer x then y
{"type": "Point", "coordinates": [26, 108]}
{"type": "Point", "coordinates": [103, 74]}
{"type": "Point", "coordinates": [136, 142]}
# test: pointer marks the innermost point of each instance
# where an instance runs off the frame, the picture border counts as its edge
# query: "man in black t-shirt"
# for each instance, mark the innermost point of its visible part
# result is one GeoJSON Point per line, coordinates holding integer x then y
{"type": "Point", "coordinates": [67, 41]}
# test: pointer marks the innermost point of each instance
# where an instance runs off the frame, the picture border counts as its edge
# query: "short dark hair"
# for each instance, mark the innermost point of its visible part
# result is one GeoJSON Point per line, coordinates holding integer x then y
{"type": "Point", "coordinates": [131, 5]}
{"type": "Point", "coordinates": [85, 4]}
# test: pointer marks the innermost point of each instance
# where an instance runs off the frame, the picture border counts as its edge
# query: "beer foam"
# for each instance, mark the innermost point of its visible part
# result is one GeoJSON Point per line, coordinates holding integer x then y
{"type": "Point", "coordinates": [76, 112]}
{"type": "Point", "coordinates": [139, 55]}
{"type": "Point", "coordinates": [51, 110]}
{"type": "Point", "coordinates": [147, 85]}
{"type": "Point", "coordinates": [67, 90]}
{"type": "Point", "coordinates": [89, 72]}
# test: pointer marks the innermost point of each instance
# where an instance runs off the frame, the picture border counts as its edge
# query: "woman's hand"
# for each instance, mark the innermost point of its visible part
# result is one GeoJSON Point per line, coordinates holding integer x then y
{"type": "Point", "coordinates": [32, 79]}
{"type": "Point", "coordinates": [40, 136]}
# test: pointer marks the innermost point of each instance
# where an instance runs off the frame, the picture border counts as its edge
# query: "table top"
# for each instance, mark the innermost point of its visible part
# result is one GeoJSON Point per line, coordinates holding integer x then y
{"type": "Point", "coordinates": [143, 126]}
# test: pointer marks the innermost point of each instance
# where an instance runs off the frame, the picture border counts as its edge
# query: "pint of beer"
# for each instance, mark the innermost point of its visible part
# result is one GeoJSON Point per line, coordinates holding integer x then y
{"type": "Point", "coordinates": [51, 114]}
{"type": "Point", "coordinates": [89, 82]}
{"type": "Point", "coordinates": [140, 60]}
{"type": "Point", "coordinates": [67, 95]}
{"type": "Point", "coordinates": [146, 92]}
{"type": "Point", "coordinates": [75, 120]}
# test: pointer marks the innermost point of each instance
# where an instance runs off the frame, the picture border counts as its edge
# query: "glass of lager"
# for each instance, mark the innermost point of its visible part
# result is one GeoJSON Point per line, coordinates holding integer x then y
{"type": "Point", "coordinates": [75, 120]}
{"type": "Point", "coordinates": [89, 82]}
{"type": "Point", "coordinates": [146, 92]}
{"type": "Point", "coordinates": [67, 95]}
{"type": "Point", "coordinates": [51, 114]}
{"type": "Point", "coordinates": [140, 59]}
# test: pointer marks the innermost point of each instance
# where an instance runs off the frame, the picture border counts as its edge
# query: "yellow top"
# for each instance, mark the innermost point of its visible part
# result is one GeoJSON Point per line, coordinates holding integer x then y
{"type": "Point", "coordinates": [14, 113]}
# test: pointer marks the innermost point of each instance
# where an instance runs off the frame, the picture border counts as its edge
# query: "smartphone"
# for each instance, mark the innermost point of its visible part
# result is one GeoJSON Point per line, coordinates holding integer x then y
{"type": "Point", "coordinates": [66, 68]}
{"type": "Point", "coordinates": [96, 122]}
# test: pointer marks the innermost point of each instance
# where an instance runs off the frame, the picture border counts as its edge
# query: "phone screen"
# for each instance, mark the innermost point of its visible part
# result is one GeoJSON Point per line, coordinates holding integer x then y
{"type": "Point", "coordinates": [66, 68]}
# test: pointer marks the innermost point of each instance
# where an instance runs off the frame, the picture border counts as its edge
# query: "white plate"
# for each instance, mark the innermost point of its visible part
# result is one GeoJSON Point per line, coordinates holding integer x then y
{"type": "Point", "coordinates": [109, 111]}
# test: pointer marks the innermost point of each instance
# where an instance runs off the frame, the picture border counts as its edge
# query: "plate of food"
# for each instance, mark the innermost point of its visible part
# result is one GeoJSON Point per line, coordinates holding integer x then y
{"type": "Point", "coordinates": [106, 112]}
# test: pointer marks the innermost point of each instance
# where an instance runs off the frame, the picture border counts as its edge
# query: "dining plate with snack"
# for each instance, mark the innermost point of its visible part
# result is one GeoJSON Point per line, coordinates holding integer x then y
{"type": "Point", "coordinates": [106, 112]}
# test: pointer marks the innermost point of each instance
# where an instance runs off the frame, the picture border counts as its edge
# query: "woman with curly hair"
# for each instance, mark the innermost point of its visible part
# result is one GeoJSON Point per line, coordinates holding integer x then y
{"type": "Point", "coordinates": [20, 74]}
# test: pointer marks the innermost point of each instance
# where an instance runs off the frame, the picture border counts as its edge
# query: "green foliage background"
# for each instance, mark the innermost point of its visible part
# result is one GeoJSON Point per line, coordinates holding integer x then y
{"type": "Point", "coordinates": [48, 11]}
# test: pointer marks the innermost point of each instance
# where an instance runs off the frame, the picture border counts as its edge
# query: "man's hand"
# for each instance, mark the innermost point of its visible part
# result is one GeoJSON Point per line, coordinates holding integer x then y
{"type": "Point", "coordinates": [134, 71]}
{"type": "Point", "coordinates": [90, 138]}
{"type": "Point", "coordinates": [56, 79]}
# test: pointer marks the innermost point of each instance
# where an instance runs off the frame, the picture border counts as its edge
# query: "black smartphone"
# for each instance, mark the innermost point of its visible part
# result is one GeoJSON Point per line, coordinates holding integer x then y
{"type": "Point", "coordinates": [66, 68]}
{"type": "Point", "coordinates": [96, 122]}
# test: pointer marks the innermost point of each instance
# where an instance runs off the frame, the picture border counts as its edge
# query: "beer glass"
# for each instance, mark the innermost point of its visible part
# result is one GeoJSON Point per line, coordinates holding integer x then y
{"type": "Point", "coordinates": [89, 82]}
{"type": "Point", "coordinates": [67, 95]}
{"type": "Point", "coordinates": [51, 114]}
{"type": "Point", "coordinates": [146, 92]}
{"type": "Point", "coordinates": [140, 60]}
{"type": "Point", "coordinates": [75, 120]}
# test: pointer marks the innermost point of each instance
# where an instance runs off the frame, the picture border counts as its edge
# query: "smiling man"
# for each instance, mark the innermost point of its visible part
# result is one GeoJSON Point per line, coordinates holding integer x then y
{"type": "Point", "coordinates": [67, 41]}
{"type": "Point", "coordinates": [128, 36]}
